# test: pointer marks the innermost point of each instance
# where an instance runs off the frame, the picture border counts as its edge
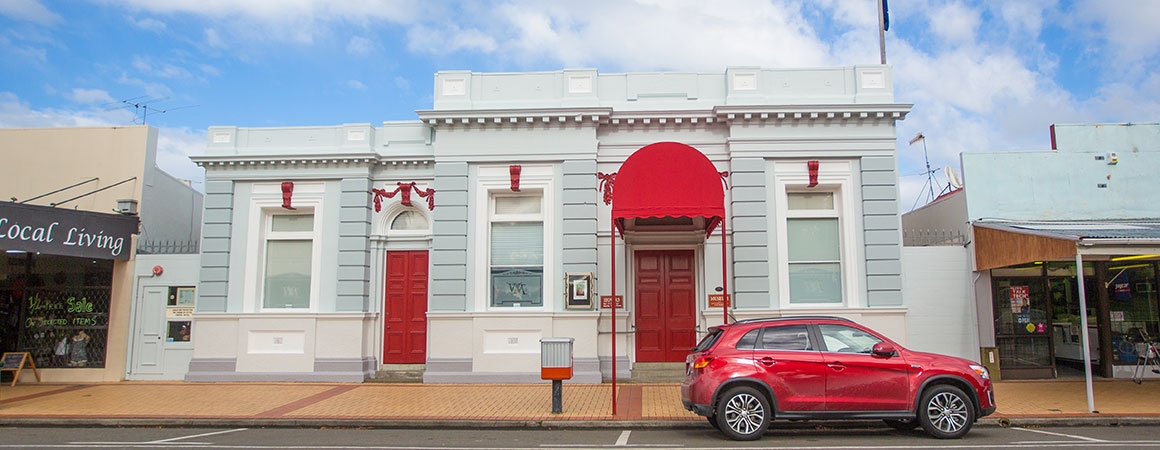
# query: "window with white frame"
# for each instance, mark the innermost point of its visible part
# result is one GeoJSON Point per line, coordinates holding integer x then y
{"type": "Point", "coordinates": [814, 241]}
{"type": "Point", "coordinates": [516, 265]}
{"type": "Point", "coordinates": [288, 257]}
{"type": "Point", "coordinates": [409, 220]}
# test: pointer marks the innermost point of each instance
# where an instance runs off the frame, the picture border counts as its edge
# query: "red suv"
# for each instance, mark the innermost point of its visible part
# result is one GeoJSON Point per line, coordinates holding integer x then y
{"type": "Point", "coordinates": [744, 374]}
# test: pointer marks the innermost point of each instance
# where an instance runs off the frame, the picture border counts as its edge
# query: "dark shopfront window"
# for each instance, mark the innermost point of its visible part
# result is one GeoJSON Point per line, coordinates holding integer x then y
{"type": "Point", "coordinates": [1133, 307]}
{"type": "Point", "coordinates": [56, 307]}
{"type": "Point", "coordinates": [1038, 319]}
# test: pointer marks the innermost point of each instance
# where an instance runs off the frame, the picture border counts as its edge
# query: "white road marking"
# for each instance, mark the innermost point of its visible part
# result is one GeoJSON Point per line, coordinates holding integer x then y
{"type": "Point", "coordinates": [1072, 436]}
{"type": "Point", "coordinates": [197, 436]}
{"type": "Point", "coordinates": [167, 441]}
{"type": "Point", "coordinates": [623, 440]}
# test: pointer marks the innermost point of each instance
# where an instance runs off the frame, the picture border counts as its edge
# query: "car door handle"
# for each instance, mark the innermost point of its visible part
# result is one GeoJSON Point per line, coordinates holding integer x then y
{"type": "Point", "coordinates": [767, 361]}
{"type": "Point", "coordinates": [837, 366]}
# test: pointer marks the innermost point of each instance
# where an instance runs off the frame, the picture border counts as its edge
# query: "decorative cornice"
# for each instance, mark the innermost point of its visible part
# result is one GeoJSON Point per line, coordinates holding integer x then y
{"type": "Point", "coordinates": [515, 117]}
{"type": "Point", "coordinates": [282, 161]}
{"type": "Point", "coordinates": [781, 113]}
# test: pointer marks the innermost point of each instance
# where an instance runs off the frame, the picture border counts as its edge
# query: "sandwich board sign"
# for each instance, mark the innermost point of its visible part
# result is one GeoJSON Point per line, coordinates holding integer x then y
{"type": "Point", "coordinates": [16, 362]}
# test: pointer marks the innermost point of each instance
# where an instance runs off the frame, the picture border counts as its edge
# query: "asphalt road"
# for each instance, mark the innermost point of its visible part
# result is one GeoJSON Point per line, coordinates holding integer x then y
{"type": "Point", "coordinates": [809, 437]}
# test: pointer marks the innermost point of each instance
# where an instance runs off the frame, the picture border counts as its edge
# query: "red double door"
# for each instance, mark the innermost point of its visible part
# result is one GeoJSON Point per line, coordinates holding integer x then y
{"type": "Point", "coordinates": [405, 326]}
{"type": "Point", "coordinates": [666, 305]}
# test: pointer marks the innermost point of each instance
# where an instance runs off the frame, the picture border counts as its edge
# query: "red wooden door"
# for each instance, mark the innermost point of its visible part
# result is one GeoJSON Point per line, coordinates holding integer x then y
{"type": "Point", "coordinates": [666, 305]}
{"type": "Point", "coordinates": [405, 334]}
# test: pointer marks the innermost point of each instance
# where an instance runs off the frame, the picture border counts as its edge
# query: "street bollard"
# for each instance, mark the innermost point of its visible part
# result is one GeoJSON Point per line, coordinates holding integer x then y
{"type": "Point", "coordinates": [556, 365]}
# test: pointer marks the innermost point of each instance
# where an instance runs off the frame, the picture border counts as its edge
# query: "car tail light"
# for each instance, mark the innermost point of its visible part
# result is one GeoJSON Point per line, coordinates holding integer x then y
{"type": "Point", "coordinates": [703, 361]}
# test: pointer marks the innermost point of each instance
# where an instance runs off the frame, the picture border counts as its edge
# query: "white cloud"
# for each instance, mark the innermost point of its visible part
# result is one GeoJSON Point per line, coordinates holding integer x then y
{"type": "Point", "coordinates": [356, 85]}
{"type": "Point", "coordinates": [955, 23]}
{"type": "Point", "coordinates": [147, 66]}
{"type": "Point", "coordinates": [174, 145]}
{"type": "Point", "coordinates": [149, 24]}
{"type": "Point", "coordinates": [1025, 17]}
{"type": "Point", "coordinates": [15, 113]}
{"type": "Point", "coordinates": [213, 39]}
{"type": "Point", "coordinates": [360, 46]}
{"type": "Point", "coordinates": [1132, 33]}
{"type": "Point", "coordinates": [402, 84]}
{"type": "Point", "coordinates": [28, 10]}
{"type": "Point", "coordinates": [90, 96]}
{"type": "Point", "coordinates": [448, 40]}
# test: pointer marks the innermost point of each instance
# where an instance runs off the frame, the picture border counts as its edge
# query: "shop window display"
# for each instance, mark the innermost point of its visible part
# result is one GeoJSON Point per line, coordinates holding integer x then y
{"type": "Point", "coordinates": [1133, 308]}
{"type": "Point", "coordinates": [55, 307]}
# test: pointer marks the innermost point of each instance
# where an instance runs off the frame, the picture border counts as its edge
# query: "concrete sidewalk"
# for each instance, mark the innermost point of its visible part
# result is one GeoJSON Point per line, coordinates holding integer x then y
{"type": "Point", "coordinates": [1062, 402]}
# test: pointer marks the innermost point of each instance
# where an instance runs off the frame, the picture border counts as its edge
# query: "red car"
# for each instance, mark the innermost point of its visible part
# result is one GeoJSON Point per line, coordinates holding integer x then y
{"type": "Point", "coordinates": [743, 375]}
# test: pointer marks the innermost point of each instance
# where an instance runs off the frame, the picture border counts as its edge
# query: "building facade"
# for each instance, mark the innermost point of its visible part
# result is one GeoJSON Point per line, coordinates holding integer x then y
{"type": "Point", "coordinates": [78, 201]}
{"type": "Point", "coordinates": [1041, 224]}
{"type": "Point", "coordinates": [453, 243]}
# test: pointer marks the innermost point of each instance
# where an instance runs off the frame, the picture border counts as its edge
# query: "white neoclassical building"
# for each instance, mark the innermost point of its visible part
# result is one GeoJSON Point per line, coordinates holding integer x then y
{"type": "Point", "coordinates": [520, 203]}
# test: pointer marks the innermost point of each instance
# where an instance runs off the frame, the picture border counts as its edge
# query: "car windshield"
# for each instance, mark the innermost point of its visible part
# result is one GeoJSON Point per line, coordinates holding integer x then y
{"type": "Point", "coordinates": [708, 340]}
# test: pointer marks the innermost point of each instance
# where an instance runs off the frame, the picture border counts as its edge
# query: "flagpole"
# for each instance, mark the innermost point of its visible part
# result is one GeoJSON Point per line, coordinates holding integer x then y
{"type": "Point", "coordinates": [882, 28]}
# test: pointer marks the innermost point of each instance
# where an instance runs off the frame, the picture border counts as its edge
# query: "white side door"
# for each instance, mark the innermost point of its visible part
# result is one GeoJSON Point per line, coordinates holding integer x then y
{"type": "Point", "coordinates": [149, 333]}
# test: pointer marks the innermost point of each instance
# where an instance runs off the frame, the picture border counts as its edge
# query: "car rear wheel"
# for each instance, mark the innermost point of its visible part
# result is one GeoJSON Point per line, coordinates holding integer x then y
{"type": "Point", "coordinates": [902, 424]}
{"type": "Point", "coordinates": [946, 412]}
{"type": "Point", "coordinates": [743, 414]}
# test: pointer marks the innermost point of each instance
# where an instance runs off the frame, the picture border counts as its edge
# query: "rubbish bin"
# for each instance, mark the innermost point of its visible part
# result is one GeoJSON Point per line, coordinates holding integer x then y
{"type": "Point", "coordinates": [556, 358]}
{"type": "Point", "coordinates": [556, 365]}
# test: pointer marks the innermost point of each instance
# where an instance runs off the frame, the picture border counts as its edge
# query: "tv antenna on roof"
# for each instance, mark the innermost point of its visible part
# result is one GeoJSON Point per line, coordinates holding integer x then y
{"type": "Point", "coordinates": [929, 185]}
{"type": "Point", "coordinates": [144, 108]}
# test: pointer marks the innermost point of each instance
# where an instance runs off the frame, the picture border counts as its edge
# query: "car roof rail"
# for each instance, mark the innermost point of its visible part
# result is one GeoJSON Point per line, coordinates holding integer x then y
{"type": "Point", "coordinates": [784, 318]}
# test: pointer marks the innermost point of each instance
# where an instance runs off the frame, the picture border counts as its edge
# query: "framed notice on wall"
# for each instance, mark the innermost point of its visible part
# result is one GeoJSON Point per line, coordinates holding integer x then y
{"type": "Point", "coordinates": [579, 290]}
{"type": "Point", "coordinates": [185, 296]}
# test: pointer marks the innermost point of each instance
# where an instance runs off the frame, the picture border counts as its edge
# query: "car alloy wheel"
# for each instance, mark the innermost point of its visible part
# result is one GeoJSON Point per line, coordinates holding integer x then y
{"type": "Point", "coordinates": [946, 412]}
{"type": "Point", "coordinates": [743, 414]}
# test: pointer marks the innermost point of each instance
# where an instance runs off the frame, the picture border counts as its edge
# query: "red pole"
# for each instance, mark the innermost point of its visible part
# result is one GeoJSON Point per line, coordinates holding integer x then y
{"type": "Point", "coordinates": [724, 277]}
{"type": "Point", "coordinates": [613, 254]}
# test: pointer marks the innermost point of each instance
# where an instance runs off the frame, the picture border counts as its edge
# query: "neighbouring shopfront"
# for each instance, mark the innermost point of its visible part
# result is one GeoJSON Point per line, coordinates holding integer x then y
{"type": "Point", "coordinates": [57, 277]}
{"type": "Point", "coordinates": [1040, 309]}
{"type": "Point", "coordinates": [1038, 324]}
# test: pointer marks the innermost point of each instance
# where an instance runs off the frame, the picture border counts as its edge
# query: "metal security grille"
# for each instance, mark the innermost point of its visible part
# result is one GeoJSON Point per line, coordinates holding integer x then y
{"type": "Point", "coordinates": [66, 327]}
{"type": "Point", "coordinates": [166, 247]}
{"type": "Point", "coordinates": [932, 238]}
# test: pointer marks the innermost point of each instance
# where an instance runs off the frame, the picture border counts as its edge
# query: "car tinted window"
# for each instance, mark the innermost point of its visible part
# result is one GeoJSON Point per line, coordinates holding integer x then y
{"type": "Point", "coordinates": [749, 341]}
{"type": "Point", "coordinates": [708, 340]}
{"type": "Point", "coordinates": [789, 337]}
{"type": "Point", "coordinates": [845, 339]}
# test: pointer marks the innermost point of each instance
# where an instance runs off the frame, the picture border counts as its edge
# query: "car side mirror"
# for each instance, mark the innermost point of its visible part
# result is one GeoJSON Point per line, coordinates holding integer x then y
{"type": "Point", "coordinates": [882, 349]}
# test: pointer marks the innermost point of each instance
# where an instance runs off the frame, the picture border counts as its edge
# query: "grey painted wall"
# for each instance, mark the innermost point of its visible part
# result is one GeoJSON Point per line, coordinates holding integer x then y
{"type": "Point", "coordinates": [213, 286]}
{"type": "Point", "coordinates": [580, 195]}
{"type": "Point", "coordinates": [448, 285]}
{"type": "Point", "coordinates": [882, 231]}
{"type": "Point", "coordinates": [752, 269]}
{"type": "Point", "coordinates": [170, 210]}
{"type": "Point", "coordinates": [354, 252]}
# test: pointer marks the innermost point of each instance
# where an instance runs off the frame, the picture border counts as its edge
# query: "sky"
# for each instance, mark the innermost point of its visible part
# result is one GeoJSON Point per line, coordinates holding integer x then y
{"type": "Point", "coordinates": [983, 75]}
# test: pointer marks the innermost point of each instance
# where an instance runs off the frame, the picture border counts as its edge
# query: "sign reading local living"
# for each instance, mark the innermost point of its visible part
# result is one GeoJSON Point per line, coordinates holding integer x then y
{"type": "Point", "coordinates": [60, 231]}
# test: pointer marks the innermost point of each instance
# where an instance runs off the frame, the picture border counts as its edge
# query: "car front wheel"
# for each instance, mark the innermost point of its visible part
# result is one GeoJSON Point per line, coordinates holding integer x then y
{"type": "Point", "coordinates": [743, 414]}
{"type": "Point", "coordinates": [946, 412]}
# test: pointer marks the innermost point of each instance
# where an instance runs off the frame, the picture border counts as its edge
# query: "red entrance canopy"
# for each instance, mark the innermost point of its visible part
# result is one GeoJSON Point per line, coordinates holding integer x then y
{"type": "Point", "coordinates": [665, 179]}
{"type": "Point", "coordinates": [668, 179]}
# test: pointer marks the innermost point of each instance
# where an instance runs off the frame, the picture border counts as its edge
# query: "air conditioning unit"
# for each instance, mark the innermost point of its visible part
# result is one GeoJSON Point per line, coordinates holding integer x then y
{"type": "Point", "coordinates": [127, 206]}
